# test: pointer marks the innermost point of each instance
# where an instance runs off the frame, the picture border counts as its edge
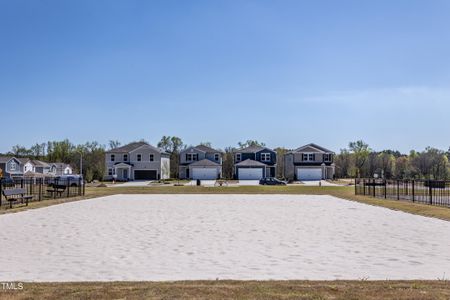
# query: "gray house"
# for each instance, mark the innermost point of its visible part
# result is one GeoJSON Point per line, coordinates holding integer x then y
{"type": "Point", "coordinates": [309, 162]}
{"type": "Point", "coordinates": [11, 167]}
{"type": "Point", "coordinates": [137, 161]}
{"type": "Point", "coordinates": [254, 163]}
{"type": "Point", "coordinates": [200, 162]}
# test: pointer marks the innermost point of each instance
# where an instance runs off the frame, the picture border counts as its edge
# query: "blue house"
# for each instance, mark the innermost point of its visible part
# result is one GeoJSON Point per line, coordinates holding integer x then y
{"type": "Point", "coordinates": [254, 163]}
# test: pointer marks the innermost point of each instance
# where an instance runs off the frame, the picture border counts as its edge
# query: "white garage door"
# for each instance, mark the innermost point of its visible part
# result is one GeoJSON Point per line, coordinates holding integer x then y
{"type": "Point", "coordinates": [204, 173]}
{"type": "Point", "coordinates": [250, 174]}
{"type": "Point", "coordinates": [309, 174]}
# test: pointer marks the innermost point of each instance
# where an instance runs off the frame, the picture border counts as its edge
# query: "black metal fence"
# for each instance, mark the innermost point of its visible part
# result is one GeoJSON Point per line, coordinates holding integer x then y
{"type": "Point", "coordinates": [44, 188]}
{"type": "Point", "coordinates": [433, 192]}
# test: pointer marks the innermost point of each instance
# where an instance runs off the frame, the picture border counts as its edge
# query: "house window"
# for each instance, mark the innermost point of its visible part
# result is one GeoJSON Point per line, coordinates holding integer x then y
{"type": "Point", "coordinates": [139, 157]}
{"type": "Point", "coordinates": [238, 157]}
{"type": "Point", "coordinates": [216, 157]}
{"type": "Point", "coordinates": [265, 156]}
{"type": "Point", "coordinates": [152, 157]}
{"type": "Point", "coordinates": [311, 157]}
{"type": "Point", "coordinates": [305, 157]}
{"type": "Point", "coordinates": [191, 157]}
{"type": "Point", "coordinates": [327, 157]}
{"type": "Point", "coordinates": [13, 166]}
{"type": "Point", "coordinates": [113, 157]}
{"type": "Point", "coordinates": [125, 157]}
{"type": "Point", "coordinates": [110, 172]}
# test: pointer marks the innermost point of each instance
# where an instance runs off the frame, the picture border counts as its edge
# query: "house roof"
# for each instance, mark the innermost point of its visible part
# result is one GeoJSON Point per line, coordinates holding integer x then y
{"type": "Point", "coordinates": [133, 146]}
{"type": "Point", "coordinates": [250, 163]}
{"type": "Point", "coordinates": [251, 149]}
{"type": "Point", "coordinates": [207, 149]}
{"type": "Point", "coordinates": [204, 163]}
{"type": "Point", "coordinates": [312, 145]}
{"type": "Point", "coordinates": [129, 147]}
{"type": "Point", "coordinates": [23, 160]}
{"type": "Point", "coordinates": [5, 159]}
{"type": "Point", "coordinates": [40, 163]}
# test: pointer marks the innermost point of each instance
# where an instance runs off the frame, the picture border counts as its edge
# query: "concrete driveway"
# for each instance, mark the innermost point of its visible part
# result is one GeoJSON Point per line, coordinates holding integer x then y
{"type": "Point", "coordinates": [248, 182]}
{"type": "Point", "coordinates": [317, 183]}
{"type": "Point", "coordinates": [203, 182]}
{"type": "Point", "coordinates": [131, 183]}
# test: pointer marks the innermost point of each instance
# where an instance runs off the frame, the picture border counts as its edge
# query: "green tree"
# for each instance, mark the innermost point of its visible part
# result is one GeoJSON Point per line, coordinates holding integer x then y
{"type": "Point", "coordinates": [361, 153]}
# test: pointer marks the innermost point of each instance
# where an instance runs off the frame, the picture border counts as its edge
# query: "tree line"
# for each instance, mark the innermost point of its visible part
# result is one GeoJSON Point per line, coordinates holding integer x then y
{"type": "Point", "coordinates": [358, 160]}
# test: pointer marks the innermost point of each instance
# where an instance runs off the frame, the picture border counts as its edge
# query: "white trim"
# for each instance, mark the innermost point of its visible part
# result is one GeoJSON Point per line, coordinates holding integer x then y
{"type": "Point", "coordinates": [265, 156]}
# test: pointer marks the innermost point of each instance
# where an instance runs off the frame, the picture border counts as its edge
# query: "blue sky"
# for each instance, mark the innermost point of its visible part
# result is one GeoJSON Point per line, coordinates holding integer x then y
{"type": "Point", "coordinates": [283, 72]}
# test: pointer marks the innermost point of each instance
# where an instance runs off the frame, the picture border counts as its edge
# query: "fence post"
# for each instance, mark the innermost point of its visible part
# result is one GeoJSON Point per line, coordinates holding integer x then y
{"type": "Point", "coordinates": [80, 182]}
{"type": "Point", "coordinates": [413, 191]}
{"type": "Point", "coordinates": [40, 189]}
{"type": "Point", "coordinates": [356, 189]}
{"type": "Point", "coordinates": [398, 189]}
{"type": "Point", "coordinates": [374, 191]}
{"type": "Point", "coordinates": [84, 186]}
{"type": "Point", "coordinates": [1, 191]}
{"type": "Point", "coordinates": [385, 189]}
{"type": "Point", "coordinates": [364, 187]}
{"type": "Point", "coordinates": [68, 187]}
{"type": "Point", "coordinates": [55, 187]}
{"type": "Point", "coordinates": [430, 191]}
{"type": "Point", "coordinates": [31, 183]}
{"type": "Point", "coordinates": [21, 183]}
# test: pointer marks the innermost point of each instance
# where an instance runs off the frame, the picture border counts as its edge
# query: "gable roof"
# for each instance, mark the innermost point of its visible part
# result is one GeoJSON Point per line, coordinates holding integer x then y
{"type": "Point", "coordinates": [128, 148]}
{"type": "Point", "coordinates": [312, 145]}
{"type": "Point", "coordinates": [40, 163]}
{"type": "Point", "coordinates": [207, 149]}
{"type": "Point", "coordinates": [5, 159]}
{"type": "Point", "coordinates": [252, 149]}
{"type": "Point", "coordinates": [23, 160]}
{"type": "Point", "coordinates": [250, 163]}
{"type": "Point", "coordinates": [134, 146]}
{"type": "Point", "coordinates": [204, 163]}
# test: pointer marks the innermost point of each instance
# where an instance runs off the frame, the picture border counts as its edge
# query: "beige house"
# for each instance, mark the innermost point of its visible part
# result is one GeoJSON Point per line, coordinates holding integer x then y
{"type": "Point", "coordinates": [309, 162]}
{"type": "Point", "coordinates": [137, 161]}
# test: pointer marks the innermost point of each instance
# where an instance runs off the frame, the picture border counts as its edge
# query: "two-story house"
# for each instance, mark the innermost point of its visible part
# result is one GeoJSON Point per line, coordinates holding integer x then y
{"type": "Point", "coordinates": [254, 163]}
{"type": "Point", "coordinates": [200, 162]}
{"type": "Point", "coordinates": [35, 166]}
{"type": "Point", "coordinates": [58, 169]}
{"type": "Point", "coordinates": [137, 161]}
{"type": "Point", "coordinates": [11, 167]}
{"type": "Point", "coordinates": [309, 162]}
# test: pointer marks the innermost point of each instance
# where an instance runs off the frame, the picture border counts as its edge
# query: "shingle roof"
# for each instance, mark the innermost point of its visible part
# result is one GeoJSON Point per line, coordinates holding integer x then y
{"type": "Point", "coordinates": [4, 159]}
{"type": "Point", "coordinates": [129, 147]}
{"type": "Point", "coordinates": [314, 146]}
{"type": "Point", "coordinates": [133, 146]}
{"type": "Point", "coordinates": [250, 163]}
{"type": "Point", "coordinates": [23, 160]}
{"type": "Point", "coordinates": [207, 149]}
{"type": "Point", "coordinates": [40, 163]}
{"type": "Point", "coordinates": [251, 149]}
{"type": "Point", "coordinates": [204, 163]}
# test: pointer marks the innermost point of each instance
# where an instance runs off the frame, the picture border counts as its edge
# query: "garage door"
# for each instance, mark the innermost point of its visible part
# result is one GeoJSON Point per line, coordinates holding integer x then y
{"type": "Point", "coordinates": [145, 175]}
{"type": "Point", "coordinates": [250, 174]}
{"type": "Point", "coordinates": [309, 174]}
{"type": "Point", "coordinates": [204, 173]}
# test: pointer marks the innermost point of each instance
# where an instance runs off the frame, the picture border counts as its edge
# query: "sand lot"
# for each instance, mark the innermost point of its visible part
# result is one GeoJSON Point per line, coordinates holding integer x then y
{"type": "Point", "coordinates": [187, 237]}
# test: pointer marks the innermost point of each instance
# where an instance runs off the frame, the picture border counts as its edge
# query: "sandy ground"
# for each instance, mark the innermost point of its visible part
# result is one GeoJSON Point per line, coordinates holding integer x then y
{"type": "Point", "coordinates": [180, 237]}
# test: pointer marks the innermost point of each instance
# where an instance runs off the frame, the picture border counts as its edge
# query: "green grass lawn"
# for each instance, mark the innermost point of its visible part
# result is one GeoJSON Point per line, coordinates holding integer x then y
{"type": "Point", "coordinates": [439, 289]}
{"type": "Point", "coordinates": [336, 290]}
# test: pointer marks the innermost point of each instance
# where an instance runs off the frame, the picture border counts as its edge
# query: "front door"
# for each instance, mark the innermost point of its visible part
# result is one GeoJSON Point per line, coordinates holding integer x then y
{"type": "Point", "coordinates": [125, 174]}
